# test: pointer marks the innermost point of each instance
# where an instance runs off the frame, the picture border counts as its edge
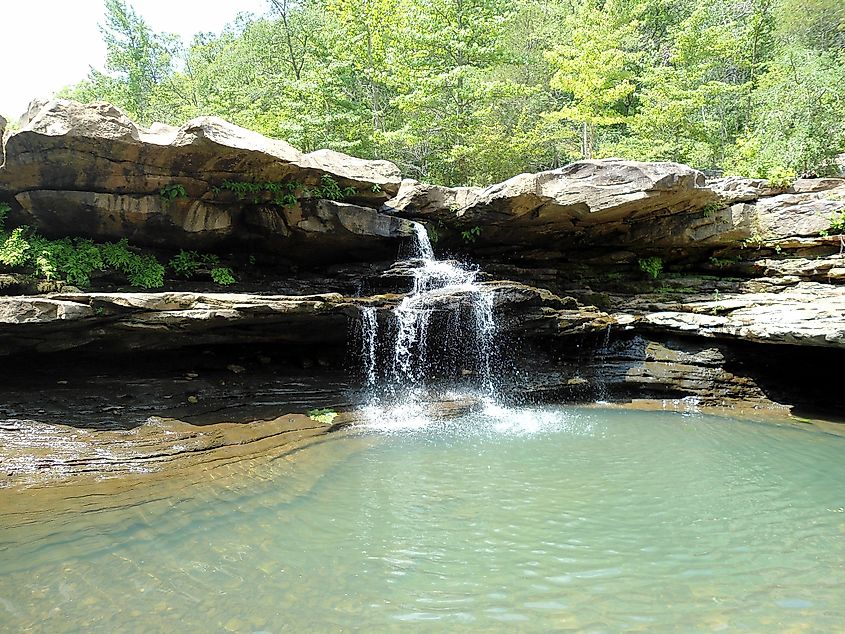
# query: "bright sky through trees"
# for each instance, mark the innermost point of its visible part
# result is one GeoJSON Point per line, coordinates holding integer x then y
{"type": "Point", "coordinates": [48, 44]}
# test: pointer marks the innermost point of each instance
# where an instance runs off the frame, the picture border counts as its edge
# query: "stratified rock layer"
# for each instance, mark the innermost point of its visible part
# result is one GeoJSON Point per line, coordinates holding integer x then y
{"type": "Point", "coordinates": [588, 200]}
{"type": "Point", "coordinates": [89, 170]}
{"type": "Point", "coordinates": [609, 279]}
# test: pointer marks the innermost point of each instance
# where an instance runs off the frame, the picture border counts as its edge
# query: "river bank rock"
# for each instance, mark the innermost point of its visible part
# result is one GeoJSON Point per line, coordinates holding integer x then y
{"type": "Point", "coordinates": [621, 204]}
{"type": "Point", "coordinates": [807, 314]}
{"type": "Point", "coordinates": [119, 322]}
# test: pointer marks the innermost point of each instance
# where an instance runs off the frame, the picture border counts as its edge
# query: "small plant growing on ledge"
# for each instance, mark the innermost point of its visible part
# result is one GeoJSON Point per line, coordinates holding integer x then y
{"type": "Point", "coordinates": [652, 266]}
{"type": "Point", "coordinates": [756, 240]}
{"type": "Point", "coordinates": [780, 178]}
{"type": "Point", "coordinates": [15, 249]}
{"type": "Point", "coordinates": [710, 209]}
{"type": "Point", "coordinates": [471, 235]}
{"type": "Point", "coordinates": [187, 263]}
{"type": "Point", "coordinates": [722, 263]}
{"type": "Point", "coordinates": [837, 222]}
{"type": "Point", "coordinates": [140, 269]}
{"type": "Point", "coordinates": [75, 259]}
{"type": "Point", "coordinates": [285, 194]}
{"type": "Point", "coordinates": [173, 191]}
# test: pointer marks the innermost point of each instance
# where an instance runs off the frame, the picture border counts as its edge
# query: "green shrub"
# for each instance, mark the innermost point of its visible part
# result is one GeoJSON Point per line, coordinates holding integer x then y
{"type": "Point", "coordinates": [188, 263]}
{"type": "Point", "coordinates": [81, 261]}
{"type": "Point", "coordinates": [142, 270]}
{"type": "Point", "coordinates": [652, 266]}
{"type": "Point", "coordinates": [209, 259]}
{"type": "Point", "coordinates": [15, 249]}
{"type": "Point", "coordinates": [285, 194]}
{"type": "Point", "coordinates": [222, 275]}
{"type": "Point", "coordinates": [780, 177]}
{"type": "Point", "coordinates": [75, 260]}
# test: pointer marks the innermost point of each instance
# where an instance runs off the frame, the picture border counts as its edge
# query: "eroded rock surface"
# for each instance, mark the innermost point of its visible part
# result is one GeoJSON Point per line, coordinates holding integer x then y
{"type": "Point", "coordinates": [588, 200]}
{"type": "Point", "coordinates": [146, 321]}
{"type": "Point", "coordinates": [808, 314]}
{"type": "Point", "coordinates": [89, 170]}
{"type": "Point", "coordinates": [38, 453]}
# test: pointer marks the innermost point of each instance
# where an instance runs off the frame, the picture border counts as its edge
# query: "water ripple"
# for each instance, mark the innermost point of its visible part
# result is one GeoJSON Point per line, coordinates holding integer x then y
{"type": "Point", "coordinates": [533, 519]}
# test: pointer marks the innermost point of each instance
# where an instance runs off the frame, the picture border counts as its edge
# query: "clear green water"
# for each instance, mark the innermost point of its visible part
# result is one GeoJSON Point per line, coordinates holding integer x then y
{"type": "Point", "coordinates": [546, 520]}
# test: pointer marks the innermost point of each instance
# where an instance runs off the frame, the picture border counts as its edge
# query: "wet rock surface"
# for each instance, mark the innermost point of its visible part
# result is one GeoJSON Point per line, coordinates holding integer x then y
{"type": "Point", "coordinates": [65, 415]}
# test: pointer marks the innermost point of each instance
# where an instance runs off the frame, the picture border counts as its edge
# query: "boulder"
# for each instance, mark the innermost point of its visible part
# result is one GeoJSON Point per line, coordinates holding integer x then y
{"type": "Point", "coordinates": [89, 170]}
{"type": "Point", "coordinates": [798, 215]}
{"type": "Point", "coordinates": [735, 189]}
{"type": "Point", "coordinates": [585, 201]}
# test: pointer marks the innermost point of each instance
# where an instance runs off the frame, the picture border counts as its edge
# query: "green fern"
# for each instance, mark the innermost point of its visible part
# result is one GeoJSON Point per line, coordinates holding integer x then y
{"type": "Point", "coordinates": [652, 266]}
{"type": "Point", "coordinates": [185, 263]}
{"type": "Point", "coordinates": [223, 276]}
{"type": "Point", "coordinates": [15, 250]}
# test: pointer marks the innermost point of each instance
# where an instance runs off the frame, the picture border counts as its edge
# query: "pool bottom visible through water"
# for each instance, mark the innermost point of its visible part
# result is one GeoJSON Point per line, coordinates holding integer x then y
{"type": "Point", "coordinates": [549, 519]}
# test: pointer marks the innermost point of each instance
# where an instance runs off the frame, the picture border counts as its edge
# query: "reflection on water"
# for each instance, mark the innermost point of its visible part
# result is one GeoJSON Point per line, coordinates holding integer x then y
{"type": "Point", "coordinates": [549, 519]}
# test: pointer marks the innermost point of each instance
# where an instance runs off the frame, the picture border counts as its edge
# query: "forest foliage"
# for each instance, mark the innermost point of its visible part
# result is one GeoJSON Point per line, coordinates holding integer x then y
{"type": "Point", "coordinates": [473, 91]}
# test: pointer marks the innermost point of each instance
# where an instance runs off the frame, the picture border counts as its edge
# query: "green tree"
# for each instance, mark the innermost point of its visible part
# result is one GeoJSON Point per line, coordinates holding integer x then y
{"type": "Point", "coordinates": [695, 104]}
{"type": "Point", "coordinates": [798, 124]}
{"type": "Point", "coordinates": [139, 67]}
{"type": "Point", "coordinates": [446, 51]}
{"type": "Point", "coordinates": [596, 69]}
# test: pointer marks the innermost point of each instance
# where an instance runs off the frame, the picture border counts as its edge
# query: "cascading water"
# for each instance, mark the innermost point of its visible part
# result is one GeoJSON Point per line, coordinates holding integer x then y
{"type": "Point", "coordinates": [398, 361]}
{"type": "Point", "coordinates": [369, 335]}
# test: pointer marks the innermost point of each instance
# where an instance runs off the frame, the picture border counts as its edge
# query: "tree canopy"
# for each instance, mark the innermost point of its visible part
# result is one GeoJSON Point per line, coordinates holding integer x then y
{"type": "Point", "coordinates": [473, 91]}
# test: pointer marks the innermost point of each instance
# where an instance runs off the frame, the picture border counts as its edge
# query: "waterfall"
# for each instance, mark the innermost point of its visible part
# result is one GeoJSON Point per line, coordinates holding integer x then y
{"type": "Point", "coordinates": [439, 288]}
{"type": "Point", "coordinates": [369, 337]}
{"type": "Point", "coordinates": [424, 250]}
